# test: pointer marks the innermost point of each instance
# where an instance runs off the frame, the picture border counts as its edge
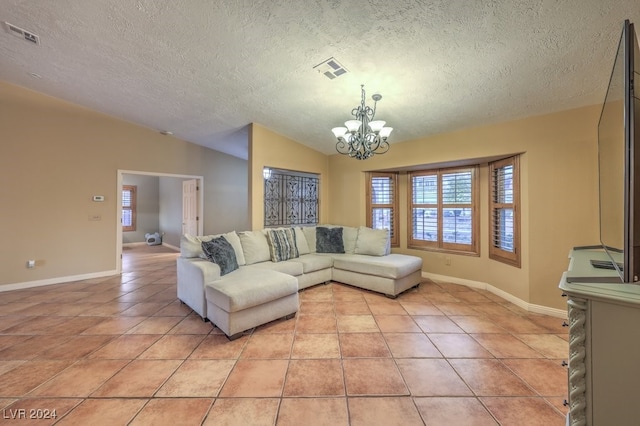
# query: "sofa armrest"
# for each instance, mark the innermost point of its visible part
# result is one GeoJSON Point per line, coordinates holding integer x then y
{"type": "Point", "coordinates": [193, 274]}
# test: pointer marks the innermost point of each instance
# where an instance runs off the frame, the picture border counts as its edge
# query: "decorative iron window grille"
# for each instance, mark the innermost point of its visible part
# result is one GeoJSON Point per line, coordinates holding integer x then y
{"type": "Point", "coordinates": [291, 199]}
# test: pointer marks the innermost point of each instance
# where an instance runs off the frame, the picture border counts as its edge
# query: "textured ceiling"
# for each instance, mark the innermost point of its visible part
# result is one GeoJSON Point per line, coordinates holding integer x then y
{"type": "Point", "coordinates": [206, 69]}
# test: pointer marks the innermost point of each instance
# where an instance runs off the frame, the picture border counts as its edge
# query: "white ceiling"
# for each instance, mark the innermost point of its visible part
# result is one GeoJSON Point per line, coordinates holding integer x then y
{"type": "Point", "coordinates": [206, 69]}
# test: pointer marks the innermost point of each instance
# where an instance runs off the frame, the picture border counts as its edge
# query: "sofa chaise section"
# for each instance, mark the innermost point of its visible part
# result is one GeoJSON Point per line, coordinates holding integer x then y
{"type": "Point", "coordinates": [249, 297]}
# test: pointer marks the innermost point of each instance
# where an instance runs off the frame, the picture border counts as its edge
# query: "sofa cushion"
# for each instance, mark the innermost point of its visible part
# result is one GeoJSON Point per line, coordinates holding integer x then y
{"type": "Point", "coordinates": [329, 240]}
{"type": "Point", "coordinates": [373, 242]}
{"type": "Point", "coordinates": [254, 246]}
{"type": "Point", "coordinates": [391, 266]}
{"type": "Point", "coordinates": [282, 244]}
{"type": "Point", "coordinates": [314, 262]}
{"type": "Point", "coordinates": [248, 287]}
{"type": "Point", "coordinates": [290, 267]}
{"type": "Point", "coordinates": [191, 245]}
{"type": "Point", "coordinates": [220, 252]}
{"type": "Point", "coordinates": [301, 241]}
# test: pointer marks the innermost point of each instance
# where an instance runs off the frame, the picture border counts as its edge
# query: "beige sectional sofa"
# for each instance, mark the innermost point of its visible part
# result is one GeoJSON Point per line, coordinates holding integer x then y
{"type": "Point", "coordinates": [270, 271]}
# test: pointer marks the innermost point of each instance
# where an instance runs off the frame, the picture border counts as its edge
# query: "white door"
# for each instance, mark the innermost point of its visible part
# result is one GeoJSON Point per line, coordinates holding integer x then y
{"type": "Point", "coordinates": [190, 207]}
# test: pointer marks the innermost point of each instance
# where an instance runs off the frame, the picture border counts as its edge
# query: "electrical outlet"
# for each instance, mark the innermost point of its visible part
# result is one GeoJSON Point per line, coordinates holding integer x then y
{"type": "Point", "coordinates": [447, 261]}
{"type": "Point", "coordinates": [31, 264]}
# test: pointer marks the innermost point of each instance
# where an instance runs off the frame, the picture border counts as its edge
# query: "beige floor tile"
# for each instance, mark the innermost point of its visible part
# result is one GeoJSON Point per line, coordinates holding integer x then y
{"type": "Point", "coordinates": [489, 377]}
{"type": "Point", "coordinates": [197, 378]}
{"type": "Point", "coordinates": [127, 346]}
{"type": "Point", "coordinates": [173, 347]}
{"type": "Point", "coordinates": [179, 411]}
{"type": "Point", "coordinates": [27, 376]}
{"type": "Point", "coordinates": [243, 412]}
{"type": "Point", "coordinates": [155, 325]}
{"type": "Point", "coordinates": [549, 345]}
{"type": "Point", "coordinates": [313, 412]}
{"type": "Point", "coordinates": [314, 377]}
{"type": "Point", "coordinates": [411, 345]}
{"type": "Point", "coordinates": [268, 346]}
{"type": "Point", "coordinates": [432, 377]}
{"type": "Point", "coordinates": [357, 324]}
{"type": "Point", "coordinates": [421, 308]}
{"type": "Point", "coordinates": [316, 346]}
{"type": "Point", "coordinates": [217, 346]}
{"type": "Point", "coordinates": [363, 345]}
{"type": "Point", "coordinates": [373, 376]}
{"type": "Point", "coordinates": [80, 379]}
{"type": "Point", "coordinates": [436, 324]}
{"type": "Point", "coordinates": [547, 377]}
{"type": "Point", "coordinates": [387, 411]}
{"type": "Point", "coordinates": [103, 412]}
{"type": "Point", "coordinates": [443, 411]}
{"type": "Point", "coordinates": [396, 324]}
{"type": "Point", "coordinates": [523, 411]}
{"type": "Point", "coordinates": [256, 378]}
{"type": "Point", "coordinates": [476, 324]}
{"type": "Point", "coordinates": [458, 346]}
{"type": "Point", "coordinates": [505, 346]}
{"type": "Point", "coordinates": [316, 324]}
{"type": "Point", "coordinates": [138, 379]}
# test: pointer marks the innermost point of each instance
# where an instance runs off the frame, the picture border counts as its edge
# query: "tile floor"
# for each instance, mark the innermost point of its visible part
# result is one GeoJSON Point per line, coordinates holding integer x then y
{"type": "Point", "coordinates": [123, 350]}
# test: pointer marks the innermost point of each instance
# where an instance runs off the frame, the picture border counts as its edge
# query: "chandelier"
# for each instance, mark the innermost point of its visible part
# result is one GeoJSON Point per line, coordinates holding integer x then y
{"type": "Point", "coordinates": [363, 137]}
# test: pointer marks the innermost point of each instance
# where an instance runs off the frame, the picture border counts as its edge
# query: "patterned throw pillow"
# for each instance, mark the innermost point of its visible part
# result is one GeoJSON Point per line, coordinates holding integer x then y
{"type": "Point", "coordinates": [282, 244]}
{"type": "Point", "coordinates": [220, 252]}
{"type": "Point", "coordinates": [329, 240]}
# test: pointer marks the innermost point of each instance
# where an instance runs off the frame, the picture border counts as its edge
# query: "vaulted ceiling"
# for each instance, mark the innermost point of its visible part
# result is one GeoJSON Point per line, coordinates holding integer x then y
{"type": "Point", "coordinates": [204, 69]}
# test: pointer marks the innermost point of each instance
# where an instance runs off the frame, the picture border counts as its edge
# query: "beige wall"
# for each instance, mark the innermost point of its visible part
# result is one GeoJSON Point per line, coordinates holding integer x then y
{"type": "Point", "coordinates": [559, 196]}
{"type": "Point", "coordinates": [269, 149]}
{"type": "Point", "coordinates": [54, 156]}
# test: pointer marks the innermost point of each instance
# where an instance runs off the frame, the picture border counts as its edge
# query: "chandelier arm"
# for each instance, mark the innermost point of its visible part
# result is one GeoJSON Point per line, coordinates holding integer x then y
{"type": "Point", "coordinates": [362, 143]}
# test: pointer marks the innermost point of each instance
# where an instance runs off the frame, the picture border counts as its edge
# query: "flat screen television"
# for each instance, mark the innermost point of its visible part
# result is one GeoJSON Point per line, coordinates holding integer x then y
{"type": "Point", "coordinates": [619, 163]}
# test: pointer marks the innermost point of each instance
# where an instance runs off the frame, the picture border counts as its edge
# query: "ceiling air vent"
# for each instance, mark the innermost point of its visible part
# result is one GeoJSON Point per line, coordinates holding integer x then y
{"type": "Point", "coordinates": [19, 32]}
{"type": "Point", "coordinates": [330, 68]}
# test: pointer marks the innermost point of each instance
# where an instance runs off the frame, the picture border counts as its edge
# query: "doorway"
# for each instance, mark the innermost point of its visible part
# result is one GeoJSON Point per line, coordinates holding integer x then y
{"type": "Point", "coordinates": [194, 209]}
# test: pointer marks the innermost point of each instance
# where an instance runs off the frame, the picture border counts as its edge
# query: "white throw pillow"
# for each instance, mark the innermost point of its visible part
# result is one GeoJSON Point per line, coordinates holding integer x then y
{"type": "Point", "coordinates": [301, 241]}
{"type": "Point", "coordinates": [373, 242]}
{"type": "Point", "coordinates": [254, 246]}
{"type": "Point", "coordinates": [310, 234]}
{"type": "Point", "coordinates": [234, 240]}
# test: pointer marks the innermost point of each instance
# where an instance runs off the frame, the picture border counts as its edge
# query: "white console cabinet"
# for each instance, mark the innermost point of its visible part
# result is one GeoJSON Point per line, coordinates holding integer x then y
{"type": "Point", "coordinates": [604, 344]}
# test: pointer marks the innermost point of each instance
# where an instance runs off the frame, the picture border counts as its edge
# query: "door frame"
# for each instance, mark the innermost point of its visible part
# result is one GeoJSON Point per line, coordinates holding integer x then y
{"type": "Point", "coordinates": [119, 179]}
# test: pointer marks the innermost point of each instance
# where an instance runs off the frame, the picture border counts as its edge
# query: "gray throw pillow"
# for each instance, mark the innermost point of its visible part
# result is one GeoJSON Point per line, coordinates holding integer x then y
{"type": "Point", "coordinates": [329, 240]}
{"type": "Point", "coordinates": [220, 252]}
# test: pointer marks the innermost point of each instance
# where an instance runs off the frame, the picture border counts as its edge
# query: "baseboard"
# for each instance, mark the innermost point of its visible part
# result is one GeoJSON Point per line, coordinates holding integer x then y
{"type": "Point", "coordinates": [171, 247]}
{"type": "Point", "coordinates": [530, 307]}
{"type": "Point", "coordinates": [58, 280]}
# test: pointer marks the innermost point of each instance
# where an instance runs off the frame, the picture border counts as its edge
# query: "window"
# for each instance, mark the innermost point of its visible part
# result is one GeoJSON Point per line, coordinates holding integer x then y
{"type": "Point", "coordinates": [504, 205]}
{"type": "Point", "coordinates": [128, 208]}
{"type": "Point", "coordinates": [442, 210]}
{"type": "Point", "coordinates": [291, 198]}
{"type": "Point", "coordinates": [382, 203]}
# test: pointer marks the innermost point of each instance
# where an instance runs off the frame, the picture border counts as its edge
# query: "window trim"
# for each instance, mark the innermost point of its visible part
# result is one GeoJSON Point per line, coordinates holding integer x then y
{"type": "Point", "coordinates": [395, 231]}
{"type": "Point", "coordinates": [496, 253]}
{"type": "Point", "coordinates": [439, 245]}
{"type": "Point", "coordinates": [133, 190]}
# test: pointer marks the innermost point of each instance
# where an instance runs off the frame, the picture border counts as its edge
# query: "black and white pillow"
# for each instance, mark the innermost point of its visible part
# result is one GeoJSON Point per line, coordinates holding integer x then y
{"type": "Point", "coordinates": [220, 252]}
{"type": "Point", "coordinates": [282, 244]}
{"type": "Point", "coordinates": [329, 240]}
